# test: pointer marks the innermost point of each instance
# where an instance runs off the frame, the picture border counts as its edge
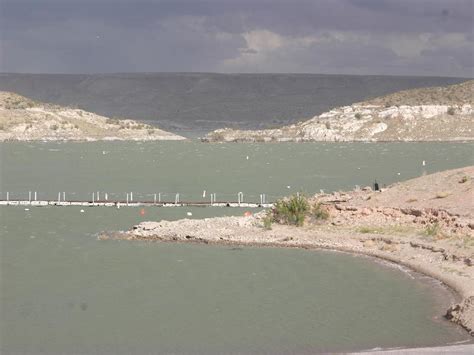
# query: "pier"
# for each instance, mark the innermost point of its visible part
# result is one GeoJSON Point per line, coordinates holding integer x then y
{"type": "Point", "coordinates": [129, 201]}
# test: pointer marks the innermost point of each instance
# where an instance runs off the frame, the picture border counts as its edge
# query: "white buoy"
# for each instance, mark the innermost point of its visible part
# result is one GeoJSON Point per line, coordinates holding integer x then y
{"type": "Point", "coordinates": [189, 214]}
{"type": "Point", "coordinates": [398, 173]}
{"type": "Point", "coordinates": [247, 157]}
{"type": "Point", "coordinates": [288, 187]}
{"type": "Point", "coordinates": [423, 163]}
{"type": "Point", "coordinates": [204, 194]}
{"type": "Point", "coordinates": [82, 211]}
{"type": "Point", "coordinates": [27, 209]}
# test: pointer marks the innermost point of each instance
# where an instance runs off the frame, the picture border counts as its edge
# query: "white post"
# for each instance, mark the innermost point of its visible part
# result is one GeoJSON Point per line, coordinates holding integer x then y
{"type": "Point", "coordinates": [240, 197]}
{"type": "Point", "coordinates": [64, 196]}
{"type": "Point", "coordinates": [131, 196]}
{"type": "Point", "coordinates": [154, 199]}
{"type": "Point", "coordinates": [176, 199]}
{"type": "Point", "coordinates": [98, 196]}
{"type": "Point", "coordinates": [106, 196]}
{"type": "Point", "coordinates": [8, 196]}
{"type": "Point", "coordinates": [127, 198]}
{"type": "Point", "coordinates": [212, 197]}
{"type": "Point", "coordinates": [35, 196]}
{"type": "Point", "coordinates": [29, 197]}
{"type": "Point", "coordinates": [59, 197]}
{"type": "Point", "coordinates": [159, 197]}
{"type": "Point", "coordinates": [93, 198]}
{"type": "Point", "coordinates": [264, 198]}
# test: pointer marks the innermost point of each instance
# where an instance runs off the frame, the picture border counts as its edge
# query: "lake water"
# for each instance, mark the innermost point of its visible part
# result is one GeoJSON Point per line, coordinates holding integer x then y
{"type": "Point", "coordinates": [65, 292]}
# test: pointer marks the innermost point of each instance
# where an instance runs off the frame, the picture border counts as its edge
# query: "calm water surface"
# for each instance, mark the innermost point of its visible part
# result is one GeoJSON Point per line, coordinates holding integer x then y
{"type": "Point", "coordinates": [64, 292]}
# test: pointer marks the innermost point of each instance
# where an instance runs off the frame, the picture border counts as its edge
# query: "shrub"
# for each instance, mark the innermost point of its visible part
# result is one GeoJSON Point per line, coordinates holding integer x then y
{"type": "Point", "coordinates": [2, 127]}
{"type": "Point", "coordinates": [151, 131]}
{"type": "Point", "coordinates": [268, 220]}
{"type": "Point", "coordinates": [464, 179]}
{"type": "Point", "coordinates": [358, 115]}
{"type": "Point", "coordinates": [442, 194]}
{"type": "Point", "coordinates": [318, 212]}
{"type": "Point", "coordinates": [291, 210]}
{"type": "Point", "coordinates": [451, 111]}
{"type": "Point", "coordinates": [433, 230]}
{"type": "Point", "coordinates": [328, 125]}
{"type": "Point", "coordinates": [54, 127]}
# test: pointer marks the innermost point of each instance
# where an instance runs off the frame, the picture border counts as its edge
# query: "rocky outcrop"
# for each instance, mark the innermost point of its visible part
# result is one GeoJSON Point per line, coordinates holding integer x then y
{"type": "Point", "coordinates": [462, 314]}
{"type": "Point", "coordinates": [434, 114]}
{"type": "Point", "coordinates": [27, 120]}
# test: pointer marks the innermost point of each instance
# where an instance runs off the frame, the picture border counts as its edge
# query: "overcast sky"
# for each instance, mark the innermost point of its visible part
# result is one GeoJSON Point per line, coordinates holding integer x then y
{"type": "Point", "coordinates": [396, 37]}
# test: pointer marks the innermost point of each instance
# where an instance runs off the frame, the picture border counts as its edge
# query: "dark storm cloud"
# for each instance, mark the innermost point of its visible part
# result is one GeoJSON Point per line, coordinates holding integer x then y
{"type": "Point", "coordinates": [351, 36]}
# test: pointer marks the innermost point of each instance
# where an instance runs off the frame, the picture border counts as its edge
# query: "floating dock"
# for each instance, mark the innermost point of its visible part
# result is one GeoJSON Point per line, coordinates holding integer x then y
{"type": "Point", "coordinates": [119, 204]}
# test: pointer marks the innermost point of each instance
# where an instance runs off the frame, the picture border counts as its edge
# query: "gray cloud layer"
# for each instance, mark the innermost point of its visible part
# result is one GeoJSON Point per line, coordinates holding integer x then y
{"type": "Point", "coordinates": [413, 37]}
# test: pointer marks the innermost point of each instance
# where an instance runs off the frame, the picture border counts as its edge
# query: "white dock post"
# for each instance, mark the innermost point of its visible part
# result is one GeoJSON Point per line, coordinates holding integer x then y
{"type": "Point", "coordinates": [131, 196]}
{"type": "Point", "coordinates": [98, 198]}
{"type": "Point", "coordinates": [93, 198]}
{"type": "Point", "coordinates": [159, 197]}
{"type": "Point", "coordinates": [176, 199]}
{"type": "Point", "coordinates": [263, 198]}
{"type": "Point", "coordinates": [215, 197]}
{"type": "Point", "coordinates": [154, 199]}
{"type": "Point", "coordinates": [29, 197]}
{"type": "Point", "coordinates": [127, 198]}
{"type": "Point", "coordinates": [36, 196]}
{"type": "Point", "coordinates": [59, 197]}
{"type": "Point", "coordinates": [64, 196]}
{"type": "Point", "coordinates": [106, 196]}
{"type": "Point", "coordinates": [8, 196]}
{"type": "Point", "coordinates": [240, 197]}
{"type": "Point", "coordinates": [212, 199]}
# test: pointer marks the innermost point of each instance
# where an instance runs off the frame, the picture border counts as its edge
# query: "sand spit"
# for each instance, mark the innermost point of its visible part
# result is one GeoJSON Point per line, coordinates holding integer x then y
{"type": "Point", "coordinates": [425, 224]}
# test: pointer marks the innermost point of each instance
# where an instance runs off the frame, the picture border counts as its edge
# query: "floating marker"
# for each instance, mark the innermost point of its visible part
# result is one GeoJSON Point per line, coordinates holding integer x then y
{"type": "Point", "coordinates": [142, 212]}
{"type": "Point", "coordinates": [189, 213]}
{"type": "Point", "coordinates": [82, 211]}
{"type": "Point", "coordinates": [423, 163]}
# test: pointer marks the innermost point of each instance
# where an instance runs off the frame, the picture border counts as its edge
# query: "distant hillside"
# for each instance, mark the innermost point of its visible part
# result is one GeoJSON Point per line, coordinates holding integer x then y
{"type": "Point", "coordinates": [429, 114]}
{"type": "Point", "coordinates": [27, 120]}
{"type": "Point", "coordinates": [177, 101]}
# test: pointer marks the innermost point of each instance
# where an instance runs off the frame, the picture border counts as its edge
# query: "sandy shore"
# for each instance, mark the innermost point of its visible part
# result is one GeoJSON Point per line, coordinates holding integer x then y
{"type": "Point", "coordinates": [425, 224]}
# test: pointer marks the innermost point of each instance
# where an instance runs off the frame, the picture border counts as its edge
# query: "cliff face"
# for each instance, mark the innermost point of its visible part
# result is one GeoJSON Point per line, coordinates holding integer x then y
{"type": "Point", "coordinates": [432, 114]}
{"type": "Point", "coordinates": [27, 120]}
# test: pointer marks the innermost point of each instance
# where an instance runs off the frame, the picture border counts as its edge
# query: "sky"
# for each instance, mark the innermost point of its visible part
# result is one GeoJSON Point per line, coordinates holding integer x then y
{"type": "Point", "coordinates": [391, 37]}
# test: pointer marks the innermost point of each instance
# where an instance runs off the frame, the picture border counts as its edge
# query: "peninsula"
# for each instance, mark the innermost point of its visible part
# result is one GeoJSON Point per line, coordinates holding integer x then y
{"type": "Point", "coordinates": [22, 119]}
{"type": "Point", "coordinates": [426, 224]}
{"type": "Point", "coordinates": [427, 114]}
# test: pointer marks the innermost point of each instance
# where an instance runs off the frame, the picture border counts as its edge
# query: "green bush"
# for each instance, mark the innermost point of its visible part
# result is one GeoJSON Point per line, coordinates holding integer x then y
{"type": "Point", "coordinates": [320, 213]}
{"type": "Point", "coordinates": [451, 111]}
{"type": "Point", "coordinates": [358, 115]}
{"type": "Point", "coordinates": [433, 230]}
{"type": "Point", "coordinates": [268, 220]}
{"type": "Point", "coordinates": [291, 210]}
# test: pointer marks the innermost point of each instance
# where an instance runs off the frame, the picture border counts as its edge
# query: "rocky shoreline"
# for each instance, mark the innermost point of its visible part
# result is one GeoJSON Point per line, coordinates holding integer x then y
{"type": "Point", "coordinates": [22, 119]}
{"type": "Point", "coordinates": [407, 224]}
{"type": "Point", "coordinates": [419, 115]}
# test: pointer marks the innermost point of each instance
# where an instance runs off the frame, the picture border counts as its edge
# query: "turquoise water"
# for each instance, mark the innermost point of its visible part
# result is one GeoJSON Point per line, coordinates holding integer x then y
{"type": "Point", "coordinates": [62, 291]}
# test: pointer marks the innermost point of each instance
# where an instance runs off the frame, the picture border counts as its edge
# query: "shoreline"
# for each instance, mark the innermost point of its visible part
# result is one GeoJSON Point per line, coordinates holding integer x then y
{"type": "Point", "coordinates": [460, 294]}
